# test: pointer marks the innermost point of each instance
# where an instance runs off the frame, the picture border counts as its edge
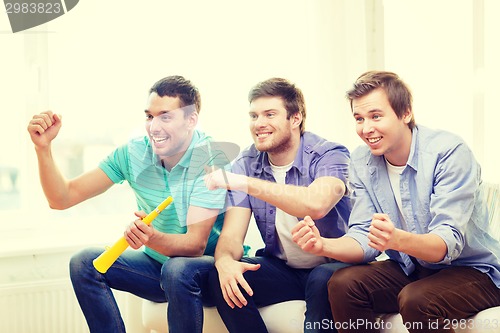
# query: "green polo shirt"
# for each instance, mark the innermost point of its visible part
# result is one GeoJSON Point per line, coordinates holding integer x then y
{"type": "Point", "coordinates": [136, 163]}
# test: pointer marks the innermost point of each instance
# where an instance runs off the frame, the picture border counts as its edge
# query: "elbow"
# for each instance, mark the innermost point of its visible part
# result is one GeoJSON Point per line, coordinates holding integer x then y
{"type": "Point", "coordinates": [57, 206]}
{"type": "Point", "coordinates": [319, 208]}
{"type": "Point", "coordinates": [199, 250]}
{"type": "Point", "coordinates": [316, 215]}
{"type": "Point", "coordinates": [317, 212]}
{"type": "Point", "coordinates": [61, 203]}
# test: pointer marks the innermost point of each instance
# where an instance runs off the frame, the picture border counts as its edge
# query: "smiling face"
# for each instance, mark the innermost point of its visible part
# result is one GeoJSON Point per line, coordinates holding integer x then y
{"type": "Point", "coordinates": [270, 129]}
{"type": "Point", "coordinates": [379, 127]}
{"type": "Point", "coordinates": [169, 130]}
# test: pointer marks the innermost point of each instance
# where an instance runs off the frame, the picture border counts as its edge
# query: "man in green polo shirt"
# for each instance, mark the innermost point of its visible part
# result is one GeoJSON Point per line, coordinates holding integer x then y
{"type": "Point", "coordinates": [169, 161]}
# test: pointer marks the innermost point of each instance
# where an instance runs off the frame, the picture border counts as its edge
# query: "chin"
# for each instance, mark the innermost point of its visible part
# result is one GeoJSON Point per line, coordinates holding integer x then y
{"type": "Point", "coordinates": [263, 148]}
{"type": "Point", "coordinates": [377, 152]}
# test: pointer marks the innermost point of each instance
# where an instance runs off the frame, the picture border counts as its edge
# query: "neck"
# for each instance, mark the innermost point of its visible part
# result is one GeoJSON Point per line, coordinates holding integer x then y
{"type": "Point", "coordinates": [400, 156]}
{"type": "Point", "coordinates": [287, 155]}
{"type": "Point", "coordinates": [168, 162]}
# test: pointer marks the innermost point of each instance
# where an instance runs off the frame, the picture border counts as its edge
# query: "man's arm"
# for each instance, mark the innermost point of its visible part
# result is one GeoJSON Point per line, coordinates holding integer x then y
{"type": "Point", "coordinates": [191, 244]}
{"type": "Point", "coordinates": [60, 192]}
{"type": "Point", "coordinates": [384, 236]}
{"type": "Point", "coordinates": [230, 243]}
{"type": "Point", "coordinates": [229, 250]}
{"type": "Point", "coordinates": [315, 200]}
{"type": "Point", "coordinates": [345, 248]}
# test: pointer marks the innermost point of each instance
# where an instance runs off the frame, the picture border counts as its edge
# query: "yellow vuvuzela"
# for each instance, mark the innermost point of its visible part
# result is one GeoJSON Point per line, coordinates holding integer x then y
{"type": "Point", "coordinates": [109, 256]}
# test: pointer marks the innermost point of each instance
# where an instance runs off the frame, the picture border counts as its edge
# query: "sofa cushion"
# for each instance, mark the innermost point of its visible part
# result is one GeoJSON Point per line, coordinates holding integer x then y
{"type": "Point", "coordinates": [279, 318]}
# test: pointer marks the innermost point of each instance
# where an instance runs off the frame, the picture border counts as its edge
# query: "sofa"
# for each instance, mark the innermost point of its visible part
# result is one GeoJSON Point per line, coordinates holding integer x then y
{"type": "Point", "coordinates": [288, 317]}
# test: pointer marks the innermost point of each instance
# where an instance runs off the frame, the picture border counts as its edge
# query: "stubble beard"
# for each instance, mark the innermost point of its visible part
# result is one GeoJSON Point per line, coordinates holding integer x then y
{"type": "Point", "coordinates": [282, 145]}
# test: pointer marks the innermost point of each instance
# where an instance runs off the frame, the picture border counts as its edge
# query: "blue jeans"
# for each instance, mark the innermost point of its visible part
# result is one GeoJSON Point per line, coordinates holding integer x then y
{"type": "Point", "coordinates": [276, 282]}
{"type": "Point", "coordinates": [137, 273]}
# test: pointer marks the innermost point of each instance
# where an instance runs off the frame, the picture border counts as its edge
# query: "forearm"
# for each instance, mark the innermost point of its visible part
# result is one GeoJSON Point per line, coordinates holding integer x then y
{"type": "Point", "coordinates": [427, 247]}
{"type": "Point", "coordinates": [298, 200]}
{"type": "Point", "coordinates": [345, 249]}
{"type": "Point", "coordinates": [172, 245]}
{"type": "Point", "coordinates": [55, 186]}
{"type": "Point", "coordinates": [228, 248]}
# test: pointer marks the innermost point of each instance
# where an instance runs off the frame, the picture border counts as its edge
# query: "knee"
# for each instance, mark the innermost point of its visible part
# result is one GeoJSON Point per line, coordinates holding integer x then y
{"type": "Point", "coordinates": [174, 272]}
{"type": "Point", "coordinates": [185, 272]}
{"type": "Point", "coordinates": [414, 301]}
{"type": "Point", "coordinates": [82, 262]}
{"type": "Point", "coordinates": [318, 280]}
{"type": "Point", "coordinates": [340, 280]}
{"type": "Point", "coordinates": [341, 285]}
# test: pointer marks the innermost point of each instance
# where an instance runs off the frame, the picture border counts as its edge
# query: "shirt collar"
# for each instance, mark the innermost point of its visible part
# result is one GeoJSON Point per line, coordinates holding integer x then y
{"type": "Point", "coordinates": [412, 157]}
{"type": "Point", "coordinates": [264, 164]}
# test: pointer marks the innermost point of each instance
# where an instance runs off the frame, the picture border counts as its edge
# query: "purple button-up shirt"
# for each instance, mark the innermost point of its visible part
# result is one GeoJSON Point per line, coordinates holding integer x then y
{"type": "Point", "coordinates": [316, 157]}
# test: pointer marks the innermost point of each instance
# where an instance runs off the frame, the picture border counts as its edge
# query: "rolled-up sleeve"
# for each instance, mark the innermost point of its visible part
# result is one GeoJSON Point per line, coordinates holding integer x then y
{"type": "Point", "coordinates": [238, 198]}
{"type": "Point", "coordinates": [361, 215]}
{"type": "Point", "coordinates": [452, 201]}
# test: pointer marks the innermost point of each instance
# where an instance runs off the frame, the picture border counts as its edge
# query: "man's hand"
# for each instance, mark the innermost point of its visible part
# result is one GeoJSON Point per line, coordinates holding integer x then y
{"type": "Point", "coordinates": [306, 235]}
{"type": "Point", "coordinates": [44, 127]}
{"type": "Point", "coordinates": [138, 233]}
{"type": "Point", "coordinates": [221, 178]}
{"type": "Point", "coordinates": [230, 276]}
{"type": "Point", "coordinates": [382, 233]}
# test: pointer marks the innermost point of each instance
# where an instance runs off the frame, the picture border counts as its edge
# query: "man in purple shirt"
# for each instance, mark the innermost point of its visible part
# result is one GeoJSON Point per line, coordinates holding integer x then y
{"type": "Point", "coordinates": [285, 175]}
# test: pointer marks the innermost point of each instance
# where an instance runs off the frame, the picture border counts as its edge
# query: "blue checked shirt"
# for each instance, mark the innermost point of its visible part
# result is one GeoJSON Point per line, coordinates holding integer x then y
{"type": "Point", "coordinates": [440, 194]}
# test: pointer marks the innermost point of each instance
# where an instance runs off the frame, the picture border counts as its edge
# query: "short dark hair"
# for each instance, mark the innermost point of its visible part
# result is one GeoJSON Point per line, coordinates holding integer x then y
{"type": "Point", "coordinates": [178, 86]}
{"type": "Point", "coordinates": [398, 93]}
{"type": "Point", "coordinates": [292, 97]}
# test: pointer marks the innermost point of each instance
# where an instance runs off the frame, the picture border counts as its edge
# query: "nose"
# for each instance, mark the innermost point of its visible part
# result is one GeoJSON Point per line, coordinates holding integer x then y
{"type": "Point", "coordinates": [259, 121]}
{"type": "Point", "coordinates": [154, 125]}
{"type": "Point", "coordinates": [367, 127]}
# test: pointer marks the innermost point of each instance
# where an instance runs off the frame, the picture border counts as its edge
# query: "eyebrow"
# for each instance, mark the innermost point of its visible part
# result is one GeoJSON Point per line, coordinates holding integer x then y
{"type": "Point", "coordinates": [264, 111]}
{"type": "Point", "coordinates": [161, 112]}
{"type": "Point", "coordinates": [371, 111]}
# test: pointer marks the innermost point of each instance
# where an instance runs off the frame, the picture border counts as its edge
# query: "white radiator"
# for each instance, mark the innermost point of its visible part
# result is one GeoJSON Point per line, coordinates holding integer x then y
{"type": "Point", "coordinates": [40, 307]}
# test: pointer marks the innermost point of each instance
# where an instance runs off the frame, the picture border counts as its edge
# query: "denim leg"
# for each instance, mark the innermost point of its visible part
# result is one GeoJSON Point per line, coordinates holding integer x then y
{"type": "Point", "coordinates": [318, 316]}
{"type": "Point", "coordinates": [272, 283]}
{"type": "Point", "coordinates": [134, 272]}
{"type": "Point", "coordinates": [185, 281]}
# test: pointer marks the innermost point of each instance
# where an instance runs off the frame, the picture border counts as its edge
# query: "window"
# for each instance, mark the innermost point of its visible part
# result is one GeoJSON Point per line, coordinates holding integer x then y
{"type": "Point", "coordinates": [448, 61]}
{"type": "Point", "coordinates": [95, 67]}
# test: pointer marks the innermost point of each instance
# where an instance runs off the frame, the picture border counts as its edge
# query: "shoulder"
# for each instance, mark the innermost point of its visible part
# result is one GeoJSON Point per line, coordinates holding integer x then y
{"type": "Point", "coordinates": [134, 147]}
{"type": "Point", "coordinates": [437, 141]}
{"type": "Point", "coordinates": [361, 154]}
{"type": "Point", "coordinates": [315, 144]}
{"type": "Point", "coordinates": [248, 154]}
{"type": "Point", "coordinates": [140, 142]}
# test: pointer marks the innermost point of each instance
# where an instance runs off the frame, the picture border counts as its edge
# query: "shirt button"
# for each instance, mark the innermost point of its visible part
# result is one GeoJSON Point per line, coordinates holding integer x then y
{"type": "Point", "coordinates": [271, 211]}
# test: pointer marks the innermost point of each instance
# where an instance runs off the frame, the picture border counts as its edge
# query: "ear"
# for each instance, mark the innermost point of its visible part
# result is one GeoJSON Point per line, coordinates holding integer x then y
{"type": "Point", "coordinates": [407, 116]}
{"type": "Point", "coordinates": [296, 120]}
{"type": "Point", "coordinates": [192, 120]}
